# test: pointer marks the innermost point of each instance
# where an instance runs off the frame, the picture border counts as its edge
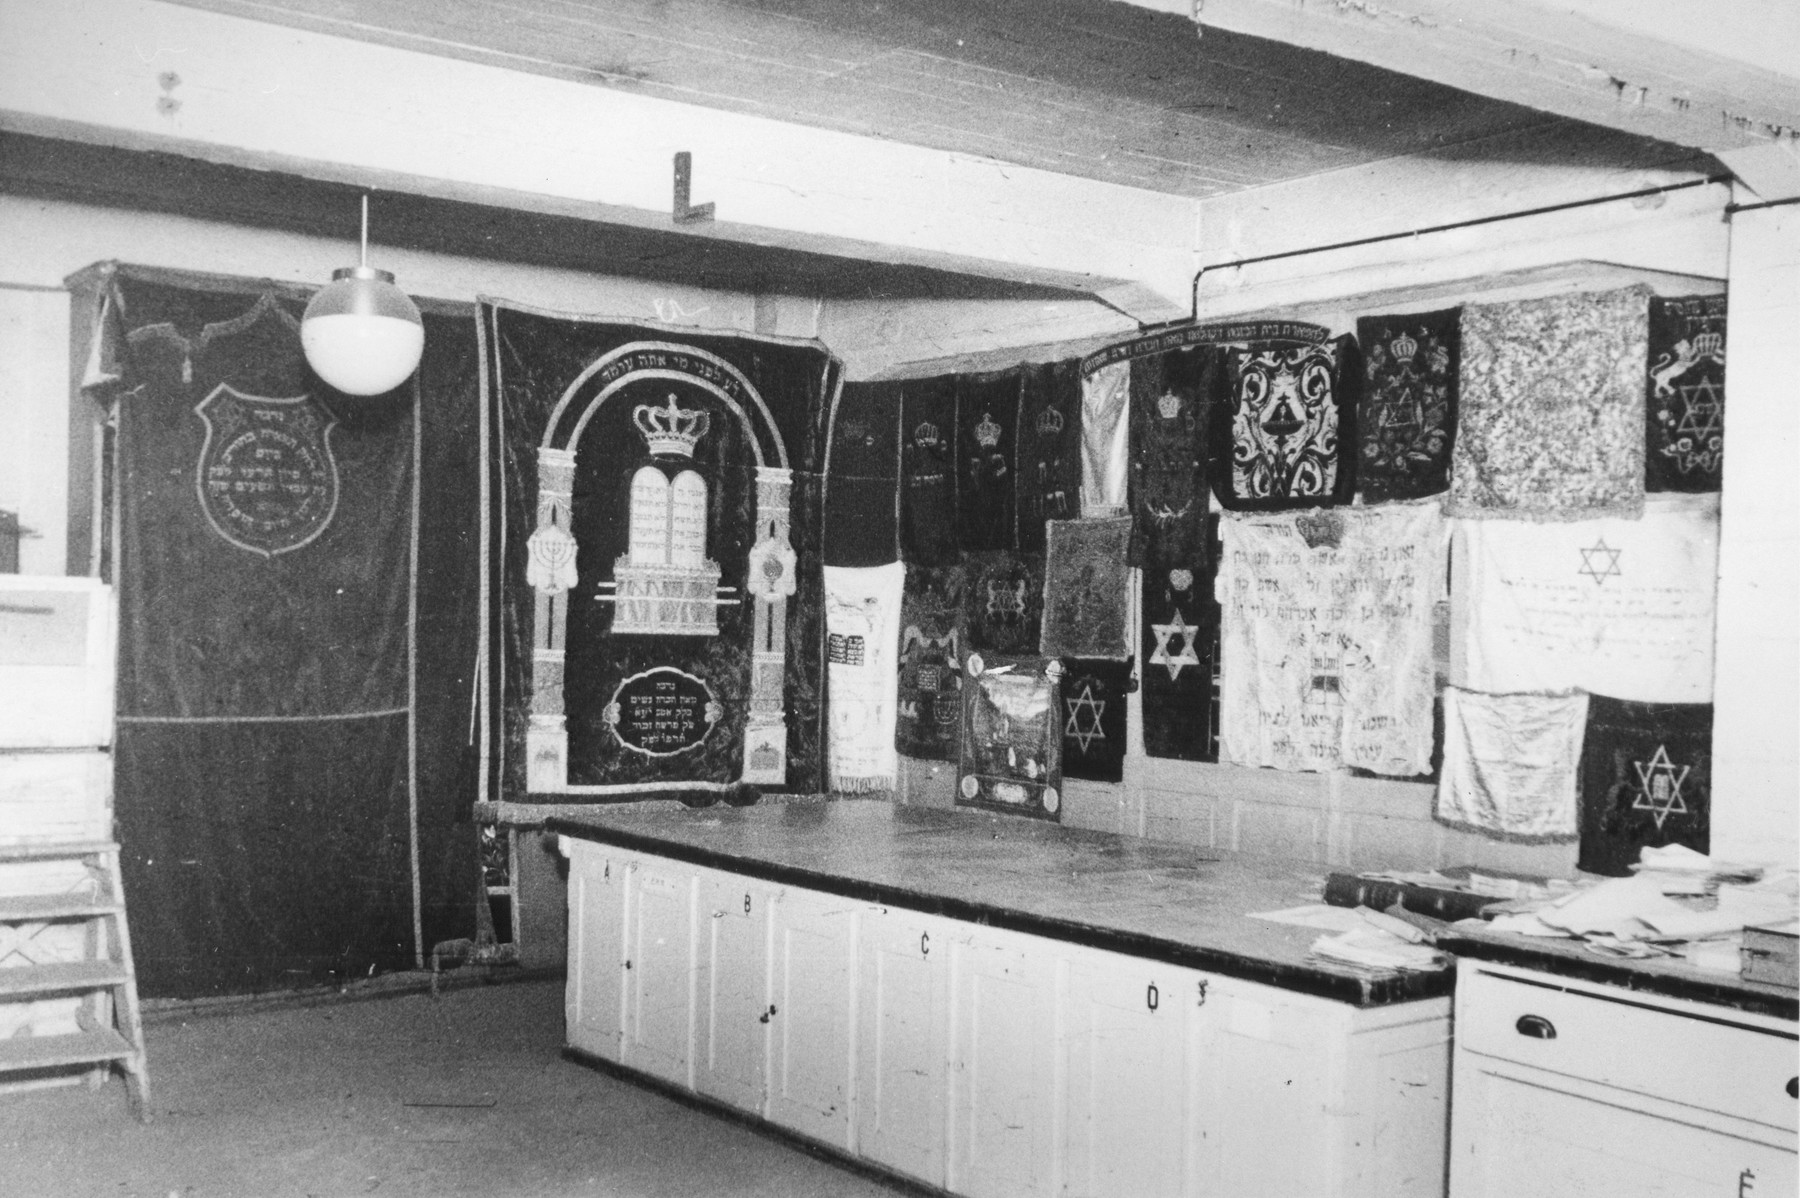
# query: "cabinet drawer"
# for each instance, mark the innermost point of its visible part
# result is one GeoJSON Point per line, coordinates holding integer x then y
{"type": "Point", "coordinates": [1711, 1062]}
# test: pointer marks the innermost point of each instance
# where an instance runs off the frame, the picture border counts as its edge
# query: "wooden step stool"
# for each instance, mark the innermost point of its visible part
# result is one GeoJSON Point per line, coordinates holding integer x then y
{"type": "Point", "coordinates": [68, 989]}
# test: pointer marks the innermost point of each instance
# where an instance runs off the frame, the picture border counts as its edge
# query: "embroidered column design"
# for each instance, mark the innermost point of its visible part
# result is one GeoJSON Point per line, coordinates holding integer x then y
{"type": "Point", "coordinates": [770, 581]}
{"type": "Point", "coordinates": [550, 569]}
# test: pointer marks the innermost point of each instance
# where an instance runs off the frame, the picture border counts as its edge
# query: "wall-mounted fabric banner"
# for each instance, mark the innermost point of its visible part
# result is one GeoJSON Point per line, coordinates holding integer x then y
{"type": "Point", "coordinates": [1050, 424]}
{"type": "Point", "coordinates": [928, 466]}
{"type": "Point", "coordinates": [1105, 440]}
{"type": "Point", "coordinates": [1012, 736]}
{"type": "Point", "coordinates": [1615, 607]}
{"type": "Point", "coordinates": [1327, 631]}
{"type": "Point", "coordinates": [1003, 602]}
{"type": "Point", "coordinates": [1684, 407]}
{"type": "Point", "coordinates": [1550, 422]}
{"type": "Point", "coordinates": [1178, 654]}
{"type": "Point", "coordinates": [1406, 416]}
{"type": "Point", "coordinates": [1646, 780]}
{"type": "Point", "coordinates": [654, 534]}
{"type": "Point", "coordinates": [863, 477]}
{"type": "Point", "coordinates": [862, 635]}
{"type": "Point", "coordinates": [987, 430]}
{"type": "Point", "coordinates": [267, 575]}
{"type": "Point", "coordinates": [1171, 401]}
{"type": "Point", "coordinates": [929, 720]}
{"type": "Point", "coordinates": [1511, 764]}
{"type": "Point", "coordinates": [1087, 590]}
{"type": "Point", "coordinates": [1284, 435]}
{"type": "Point", "coordinates": [1093, 718]}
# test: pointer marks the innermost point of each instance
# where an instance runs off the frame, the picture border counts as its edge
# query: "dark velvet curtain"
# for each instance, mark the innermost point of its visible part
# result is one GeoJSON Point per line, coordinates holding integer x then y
{"type": "Point", "coordinates": [268, 733]}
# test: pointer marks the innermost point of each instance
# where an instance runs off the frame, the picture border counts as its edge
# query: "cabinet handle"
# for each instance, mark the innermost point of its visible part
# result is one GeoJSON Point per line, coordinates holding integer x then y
{"type": "Point", "coordinates": [1793, 1087]}
{"type": "Point", "coordinates": [1536, 1026]}
{"type": "Point", "coordinates": [924, 944]}
{"type": "Point", "coordinates": [1151, 998]}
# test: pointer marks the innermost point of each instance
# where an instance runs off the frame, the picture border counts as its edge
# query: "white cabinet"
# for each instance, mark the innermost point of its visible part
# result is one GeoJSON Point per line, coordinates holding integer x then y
{"type": "Point", "coordinates": [812, 1008]}
{"type": "Point", "coordinates": [1568, 1087]}
{"type": "Point", "coordinates": [594, 991]}
{"type": "Point", "coordinates": [1130, 1031]}
{"type": "Point", "coordinates": [903, 1039]}
{"type": "Point", "coordinates": [731, 1049]}
{"type": "Point", "coordinates": [995, 1063]}
{"type": "Point", "coordinates": [658, 1016]}
{"type": "Point", "coordinates": [1003, 1110]}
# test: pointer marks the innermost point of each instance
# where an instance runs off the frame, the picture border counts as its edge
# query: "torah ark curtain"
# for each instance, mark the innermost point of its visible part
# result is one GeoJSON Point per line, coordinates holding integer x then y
{"type": "Point", "coordinates": [276, 829]}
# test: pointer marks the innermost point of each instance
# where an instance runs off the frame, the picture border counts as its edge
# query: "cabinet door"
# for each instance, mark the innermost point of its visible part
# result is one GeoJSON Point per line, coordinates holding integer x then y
{"type": "Point", "coordinates": [811, 1013]}
{"type": "Point", "coordinates": [1128, 1026]}
{"type": "Point", "coordinates": [594, 991]}
{"type": "Point", "coordinates": [1521, 1131]}
{"type": "Point", "coordinates": [732, 983]}
{"type": "Point", "coordinates": [903, 1040]}
{"type": "Point", "coordinates": [659, 967]}
{"type": "Point", "coordinates": [1003, 1133]}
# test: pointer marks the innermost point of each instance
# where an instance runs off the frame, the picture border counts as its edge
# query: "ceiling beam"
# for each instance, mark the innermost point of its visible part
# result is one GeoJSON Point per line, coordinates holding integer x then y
{"type": "Point", "coordinates": [1641, 68]}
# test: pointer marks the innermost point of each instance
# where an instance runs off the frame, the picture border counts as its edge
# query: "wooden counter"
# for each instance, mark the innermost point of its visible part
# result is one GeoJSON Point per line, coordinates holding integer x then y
{"type": "Point", "coordinates": [999, 1006]}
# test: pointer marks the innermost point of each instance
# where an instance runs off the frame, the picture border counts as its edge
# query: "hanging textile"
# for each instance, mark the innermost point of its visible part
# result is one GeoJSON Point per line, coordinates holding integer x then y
{"type": "Point", "coordinates": [1093, 718]}
{"type": "Point", "coordinates": [863, 477]}
{"type": "Point", "coordinates": [654, 536]}
{"type": "Point", "coordinates": [1684, 407]}
{"type": "Point", "coordinates": [987, 420]}
{"type": "Point", "coordinates": [862, 634]}
{"type": "Point", "coordinates": [1510, 763]}
{"type": "Point", "coordinates": [1551, 411]}
{"type": "Point", "coordinates": [928, 465]}
{"type": "Point", "coordinates": [1406, 416]}
{"type": "Point", "coordinates": [1049, 482]}
{"type": "Point", "coordinates": [1087, 590]}
{"type": "Point", "coordinates": [266, 801]}
{"type": "Point", "coordinates": [1171, 397]}
{"type": "Point", "coordinates": [1646, 780]}
{"type": "Point", "coordinates": [1105, 444]}
{"type": "Point", "coordinates": [1283, 434]}
{"type": "Point", "coordinates": [1327, 642]}
{"type": "Point", "coordinates": [1616, 607]}
{"type": "Point", "coordinates": [1178, 656]}
{"type": "Point", "coordinates": [929, 717]}
{"type": "Point", "coordinates": [1012, 736]}
{"type": "Point", "coordinates": [1003, 602]}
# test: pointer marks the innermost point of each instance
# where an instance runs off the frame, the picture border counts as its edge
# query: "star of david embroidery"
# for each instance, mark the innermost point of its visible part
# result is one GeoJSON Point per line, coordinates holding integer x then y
{"type": "Point", "coordinates": [1083, 724]}
{"type": "Point", "coordinates": [1601, 562]}
{"type": "Point", "coordinates": [1659, 786]}
{"type": "Point", "coordinates": [1161, 656]}
{"type": "Point", "coordinates": [1701, 419]}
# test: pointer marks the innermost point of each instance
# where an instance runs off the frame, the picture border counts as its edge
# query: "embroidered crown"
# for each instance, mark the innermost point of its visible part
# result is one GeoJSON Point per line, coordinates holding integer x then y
{"type": "Point", "coordinates": [926, 436]}
{"type": "Point", "coordinates": [987, 433]}
{"type": "Point", "coordinates": [1709, 345]}
{"type": "Point", "coordinates": [1169, 404]}
{"type": "Point", "coordinates": [1050, 423]}
{"type": "Point", "coordinates": [670, 429]}
{"type": "Point", "coordinates": [1404, 347]}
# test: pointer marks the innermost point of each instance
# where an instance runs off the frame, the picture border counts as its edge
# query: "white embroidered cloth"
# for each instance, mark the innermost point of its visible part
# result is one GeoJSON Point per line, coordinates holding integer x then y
{"type": "Point", "coordinates": [862, 628]}
{"type": "Point", "coordinates": [1612, 606]}
{"type": "Point", "coordinates": [1105, 441]}
{"type": "Point", "coordinates": [1327, 647]}
{"type": "Point", "coordinates": [1510, 763]}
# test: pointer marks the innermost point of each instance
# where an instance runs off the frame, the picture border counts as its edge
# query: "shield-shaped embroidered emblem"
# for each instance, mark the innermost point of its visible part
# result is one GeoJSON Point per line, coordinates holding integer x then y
{"type": "Point", "coordinates": [266, 478]}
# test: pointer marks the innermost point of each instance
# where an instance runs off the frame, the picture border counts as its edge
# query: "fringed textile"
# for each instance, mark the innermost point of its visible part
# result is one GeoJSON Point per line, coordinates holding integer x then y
{"type": "Point", "coordinates": [862, 635]}
{"type": "Point", "coordinates": [1510, 763]}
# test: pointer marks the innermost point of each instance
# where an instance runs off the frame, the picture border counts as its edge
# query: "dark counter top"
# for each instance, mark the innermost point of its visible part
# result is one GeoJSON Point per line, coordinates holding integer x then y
{"type": "Point", "coordinates": [1654, 975]}
{"type": "Point", "coordinates": [1163, 902]}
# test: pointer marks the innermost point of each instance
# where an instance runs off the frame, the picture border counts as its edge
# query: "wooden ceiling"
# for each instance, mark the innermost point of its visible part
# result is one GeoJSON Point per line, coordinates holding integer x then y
{"type": "Point", "coordinates": [1091, 88]}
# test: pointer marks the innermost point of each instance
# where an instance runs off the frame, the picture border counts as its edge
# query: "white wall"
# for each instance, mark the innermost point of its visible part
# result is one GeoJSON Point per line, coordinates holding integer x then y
{"type": "Point", "coordinates": [1756, 714]}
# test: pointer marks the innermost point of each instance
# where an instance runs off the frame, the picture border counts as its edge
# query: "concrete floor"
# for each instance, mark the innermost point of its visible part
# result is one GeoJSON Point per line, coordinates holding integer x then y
{"type": "Point", "coordinates": [463, 1095]}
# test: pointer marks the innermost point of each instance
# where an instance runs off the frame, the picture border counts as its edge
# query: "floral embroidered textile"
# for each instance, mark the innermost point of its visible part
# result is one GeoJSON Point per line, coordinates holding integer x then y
{"type": "Point", "coordinates": [1280, 437]}
{"type": "Point", "coordinates": [1551, 421]}
{"type": "Point", "coordinates": [1406, 415]}
{"type": "Point", "coordinates": [1684, 406]}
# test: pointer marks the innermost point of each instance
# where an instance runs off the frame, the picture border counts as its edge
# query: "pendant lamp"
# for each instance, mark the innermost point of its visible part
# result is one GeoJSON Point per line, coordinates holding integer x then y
{"type": "Point", "coordinates": [362, 334]}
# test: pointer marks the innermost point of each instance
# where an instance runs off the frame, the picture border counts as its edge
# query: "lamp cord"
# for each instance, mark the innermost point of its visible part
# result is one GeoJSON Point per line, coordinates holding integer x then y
{"type": "Point", "coordinates": [365, 229]}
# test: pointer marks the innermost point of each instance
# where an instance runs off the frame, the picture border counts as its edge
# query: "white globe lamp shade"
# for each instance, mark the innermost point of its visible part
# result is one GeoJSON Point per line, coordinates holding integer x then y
{"type": "Point", "coordinates": [362, 334]}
